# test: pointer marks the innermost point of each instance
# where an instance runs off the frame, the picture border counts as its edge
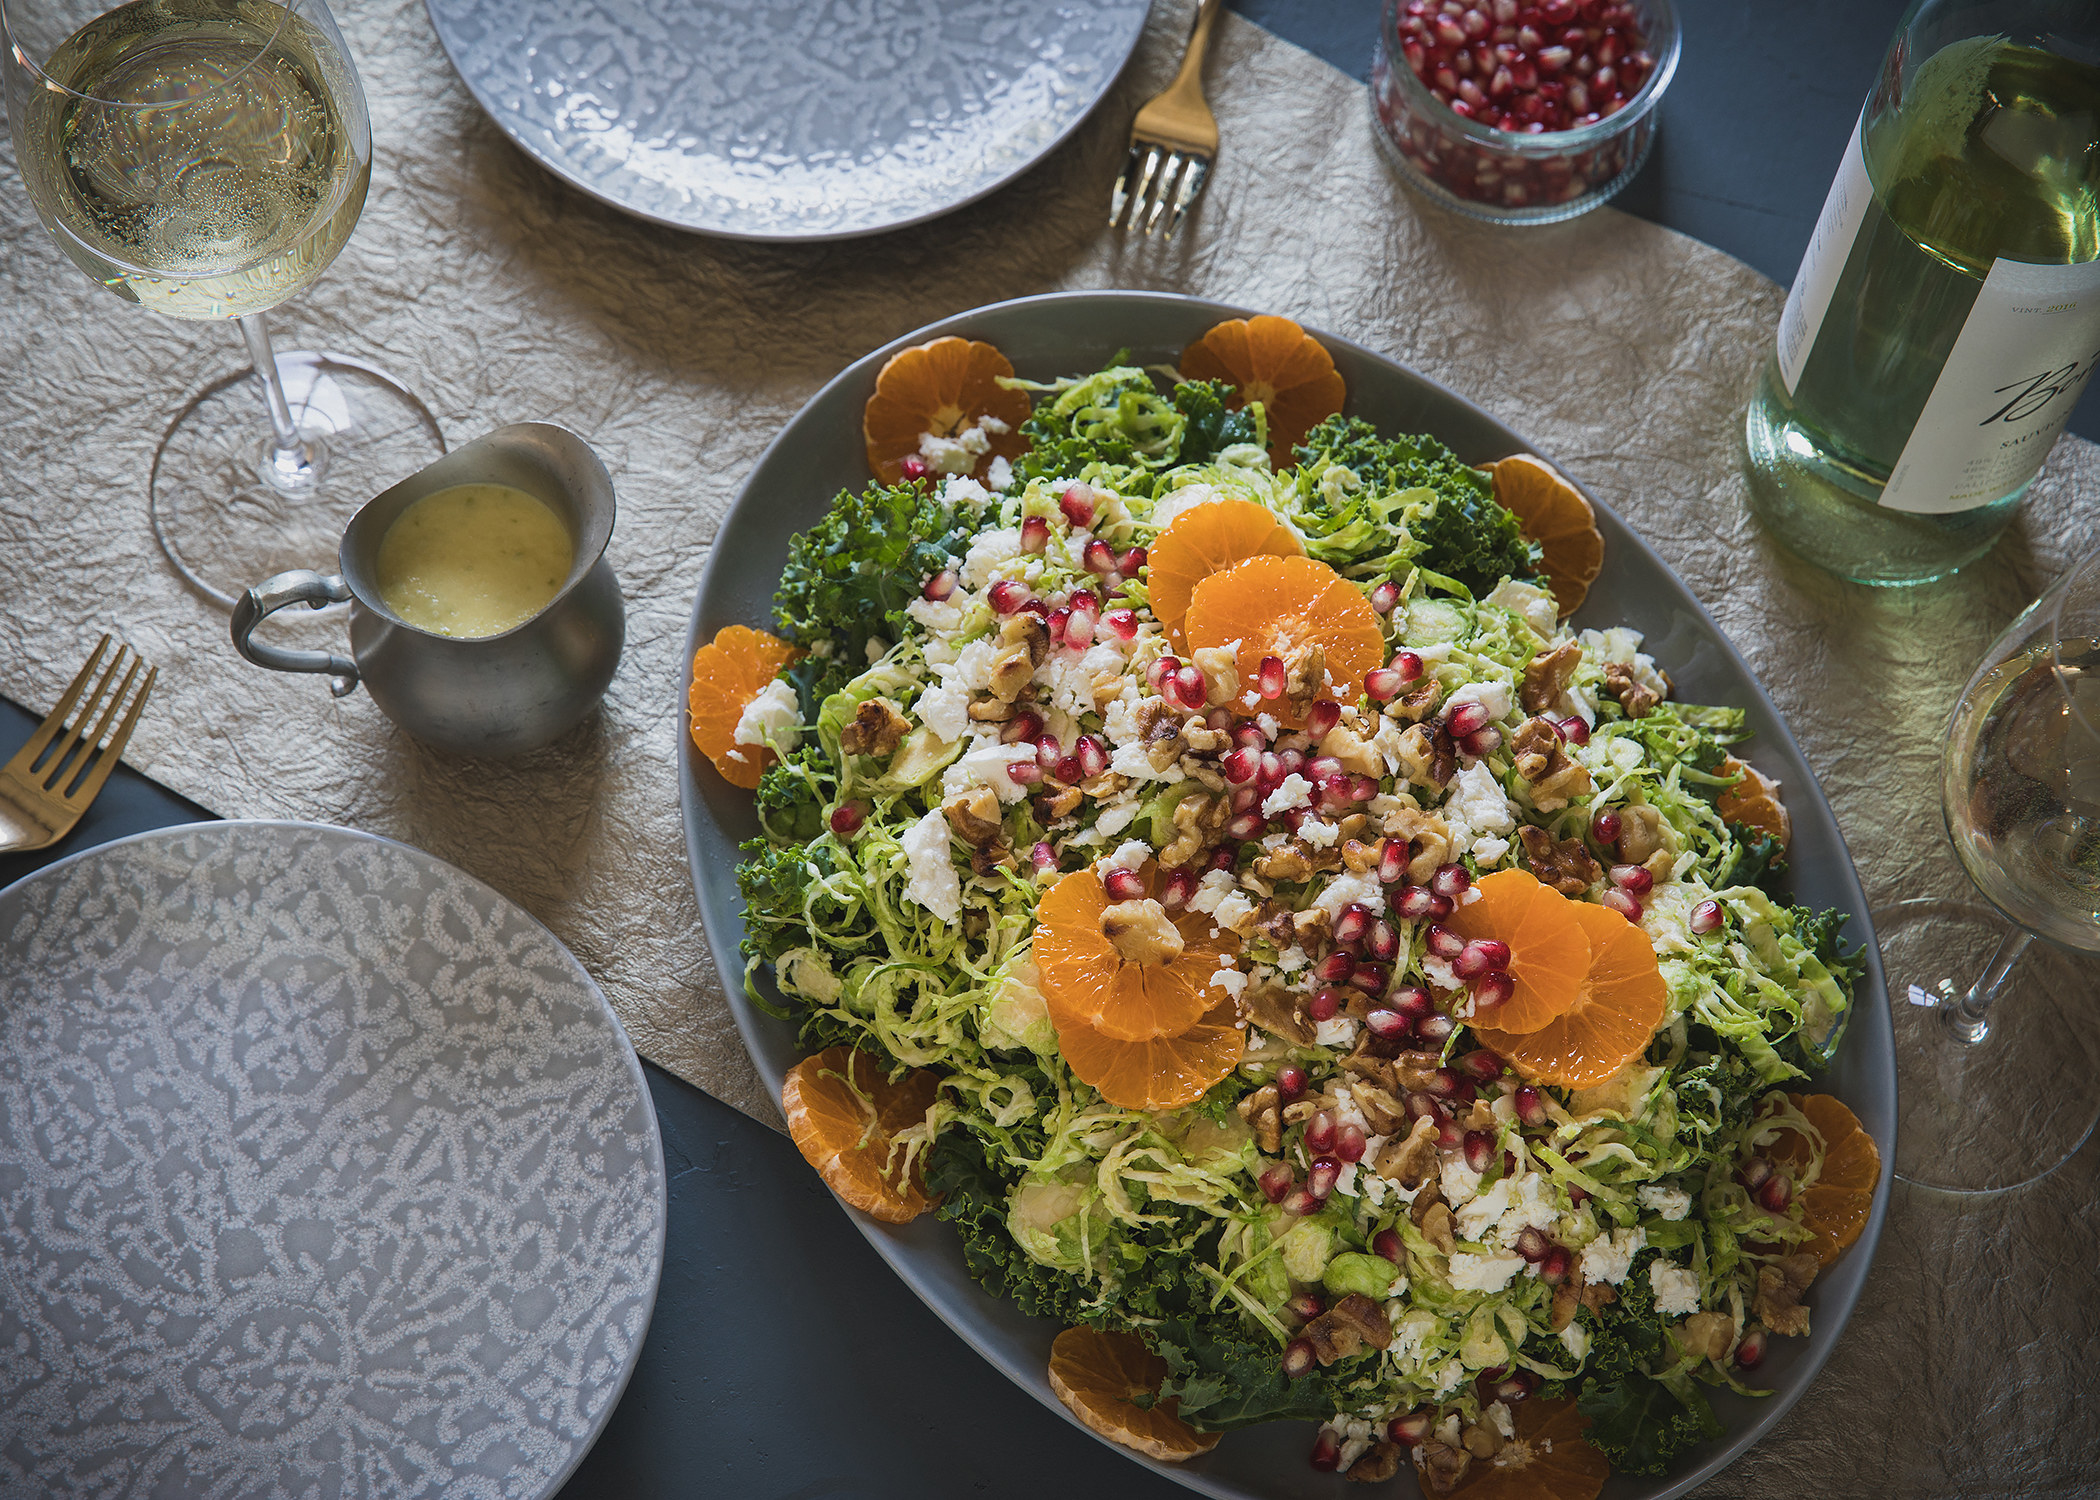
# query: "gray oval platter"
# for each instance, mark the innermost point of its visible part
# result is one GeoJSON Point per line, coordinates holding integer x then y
{"type": "Point", "coordinates": [820, 452]}
{"type": "Point", "coordinates": [788, 119]}
{"type": "Point", "coordinates": [324, 1170]}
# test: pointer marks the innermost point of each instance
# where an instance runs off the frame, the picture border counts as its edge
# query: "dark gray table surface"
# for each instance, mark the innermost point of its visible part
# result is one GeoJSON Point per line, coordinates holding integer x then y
{"type": "Point", "coordinates": [784, 1359]}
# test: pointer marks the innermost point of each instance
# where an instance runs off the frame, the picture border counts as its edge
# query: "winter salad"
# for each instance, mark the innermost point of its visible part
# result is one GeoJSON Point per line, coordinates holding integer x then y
{"type": "Point", "coordinates": [1206, 869]}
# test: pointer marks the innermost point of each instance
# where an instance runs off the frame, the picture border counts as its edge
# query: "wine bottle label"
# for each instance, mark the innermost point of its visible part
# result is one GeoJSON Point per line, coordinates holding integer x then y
{"type": "Point", "coordinates": [1824, 261]}
{"type": "Point", "coordinates": [2006, 390]}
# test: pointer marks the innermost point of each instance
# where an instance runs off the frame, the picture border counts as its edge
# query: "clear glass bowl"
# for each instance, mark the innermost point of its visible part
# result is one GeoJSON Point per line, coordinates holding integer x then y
{"type": "Point", "coordinates": [1505, 176]}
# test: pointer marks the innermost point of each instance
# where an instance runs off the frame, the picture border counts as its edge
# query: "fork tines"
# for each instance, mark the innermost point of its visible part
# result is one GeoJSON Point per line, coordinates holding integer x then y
{"type": "Point", "coordinates": [74, 753]}
{"type": "Point", "coordinates": [1157, 166]}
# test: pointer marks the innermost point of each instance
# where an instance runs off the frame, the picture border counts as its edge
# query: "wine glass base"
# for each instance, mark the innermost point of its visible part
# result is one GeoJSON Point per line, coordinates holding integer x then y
{"type": "Point", "coordinates": [2011, 1109]}
{"type": "Point", "coordinates": [227, 516]}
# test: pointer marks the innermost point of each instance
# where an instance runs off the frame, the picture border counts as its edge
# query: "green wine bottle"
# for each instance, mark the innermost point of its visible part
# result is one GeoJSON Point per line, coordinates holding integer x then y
{"type": "Point", "coordinates": [1947, 312]}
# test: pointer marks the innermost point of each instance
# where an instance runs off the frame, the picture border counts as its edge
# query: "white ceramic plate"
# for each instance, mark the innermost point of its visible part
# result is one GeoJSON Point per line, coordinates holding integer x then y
{"type": "Point", "coordinates": [821, 452]}
{"type": "Point", "coordinates": [788, 119]}
{"type": "Point", "coordinates": [324, 1171]}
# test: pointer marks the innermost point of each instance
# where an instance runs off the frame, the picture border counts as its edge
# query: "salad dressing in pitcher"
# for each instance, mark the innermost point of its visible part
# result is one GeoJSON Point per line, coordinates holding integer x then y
{"type": "Point", "coordinates": [473, 560]}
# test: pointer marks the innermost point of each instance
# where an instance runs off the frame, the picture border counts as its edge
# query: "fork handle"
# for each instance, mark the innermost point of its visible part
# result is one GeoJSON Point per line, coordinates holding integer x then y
{"type": "Point", "coordinates": [300, 585]}
{"type": "Point", "coordinates": [1199, 42]}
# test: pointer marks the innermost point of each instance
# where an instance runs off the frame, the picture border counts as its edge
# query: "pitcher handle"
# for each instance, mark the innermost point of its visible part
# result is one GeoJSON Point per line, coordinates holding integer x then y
{"type": "Point", "coordinates": [273, 594]}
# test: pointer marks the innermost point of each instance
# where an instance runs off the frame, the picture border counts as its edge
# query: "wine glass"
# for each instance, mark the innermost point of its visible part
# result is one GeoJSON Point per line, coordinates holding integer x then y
{"type": "Point", "coordinates": [1997, 1097]}
{"type": "Point", "coordinates": [208, 159]}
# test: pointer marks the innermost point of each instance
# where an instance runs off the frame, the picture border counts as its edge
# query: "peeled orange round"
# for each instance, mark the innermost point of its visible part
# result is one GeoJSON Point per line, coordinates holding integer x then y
{"type": "Point", "coordinates": [1274, 361]}
{"type": "Point", "coordinates": [1546, 1460]}
{"type": "Point", "coordinates": [1095, 1374]}
{"type": "Point", "coordinates": [728, 672]}
{"type": "Point", "coordinates": [843, 1112]}
{"type": "Point", "coordinates": [1549, 948]}
{"type": "Point", "coordinates": [1087, 981]}
{"type": "Point", "coordinates": [943, 388]}
{"type": "Point", "coordinates": [1163, 1073]}
{"type": "Point", "coordinates": [1275, 606]}
{"type": "Point", "coordinates": [1207, 539]}
{"type": "Point", "coordinates": [1836, 1205]}
{"type": "Point", "coordinates": [1614, 1016]}
{"type": "Point", "coordinates": [1556, 515]}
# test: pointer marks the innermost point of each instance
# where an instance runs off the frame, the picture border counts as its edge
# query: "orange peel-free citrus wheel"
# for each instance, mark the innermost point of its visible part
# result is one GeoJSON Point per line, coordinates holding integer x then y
{"type": "Point", "coordinates": [1556, 515]}
{"type": "Point", "coordinates": [1548, 1459]}
{"type": "Point", "coordinates": [1095, 1374]}
{"type": "Point", "coordinates": [1754, 802]}
{"type": "Point", "coordinates": [842, 1113]}
{"type": "Point", "coordinates": [1207, 539]}
{"type": "Point", "coordinates": [1163, 1073]}
{"type": "Point", "coordinates": [1836, 1205]}
{"type": "Point", "coordinates": [1274, 606]}
{"type": "Point", "coordinates": [1274, 361]}
{"type": "Point", "coordinates": [1548, 947]}
{"type": "Point", "coordinates": [728, 672]}
{"type": "Point", "coordinates": [1612, 1020]}
{"type": "Point", "coordinates": [1087, 980]}
{"type": "Point", "coordinates": [943, 388]}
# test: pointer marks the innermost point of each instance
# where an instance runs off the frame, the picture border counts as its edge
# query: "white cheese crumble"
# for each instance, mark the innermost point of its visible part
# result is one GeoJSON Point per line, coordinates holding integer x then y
{"type": "Point", "coordinates": [1318, 834]}
{"type": "Point", "coordinates": [1499, 1418]}
{"type": "Point", "coordinates": [1459, 1182]}
{"type": "Point", "coordinates": [1439, 972]}
{"type": "Point", "coordinates": [1576, 1340]}
{"type": "Point", "coordinates": [954, 455]}
{"type": "Point", "coordinates": [1291, 959]}
{"type": "Point", "coordinates": [1676, 1289]}
{"type": "Point", "coordinates": [989, 551]}
{"type": "Point", "coordinates": [1347, 887]}
{"type": "Point", "coordinates": [1477, 798]}
{"type": "Point", "coordinates": [774, 717]}
{"type": "Point", "coordinates": [945, 709]}
{"type": "Point", "coordinates": [1000, 475]}
{"type": "Point", "coordinates": [1529, 603]}
{"type": "Point", "coordinates": [984, 765]}
{"type": "Point", "coordinates": [1234, 912]}
{"type": "Point", "coordinates": [1170, 506]}
{"type": "Point", "coordinates": [1117, 817]}
{"type": "Point", "coordinates": [1293, 791]}
{"type": "Point", "coordinates": [1490, 695]}
{"type": "Point", "coordinates": [1671, 1203]}
{"type": "Point", "coordinates": [1213, 888]}
{"type": "Point", "coordinates": [1484, 1273]}
{"type": "Point", "coordinates": [931, 880]}
{"type": "Point", "coordinates": [1340, 1031]}
{"type": "Point", "coordinates": [1127, 856]}
{"type": "Point", "coordinates": [1608, 1257]}
{"type": "Point", "coordinates": [1230, 980]}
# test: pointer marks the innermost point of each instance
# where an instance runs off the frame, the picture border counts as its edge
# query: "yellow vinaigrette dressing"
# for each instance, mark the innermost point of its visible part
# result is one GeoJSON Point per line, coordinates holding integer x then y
{"type": "Point", "coordinates": [473, 560]}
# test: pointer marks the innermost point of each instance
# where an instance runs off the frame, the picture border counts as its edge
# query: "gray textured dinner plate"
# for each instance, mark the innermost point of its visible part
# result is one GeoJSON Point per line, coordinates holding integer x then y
{"type": "Point", "coordinates": [788, 119]}
{"type": "Point", "coordinates": [324, 1171]}
{"type": "Point", "coordinates": [821, 452]}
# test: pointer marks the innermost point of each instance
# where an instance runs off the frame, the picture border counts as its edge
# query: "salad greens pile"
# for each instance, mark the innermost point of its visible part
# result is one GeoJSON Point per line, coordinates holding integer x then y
{"type": "Point", "coordinates": [909, 935]}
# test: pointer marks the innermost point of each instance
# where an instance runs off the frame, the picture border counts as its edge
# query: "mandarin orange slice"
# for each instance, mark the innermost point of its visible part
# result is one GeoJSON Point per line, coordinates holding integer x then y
{"type": "Point", "coordinates": [1207, 539]}
{"type": "Point", "coordinates": [1088, 980]}
{"type": "Point", "coordinates": [728, 672]}
{"type": "Point", "coordinates": [1548, 946]}
{"type": "Point", "coordinates": [1546, 1460]}
{"type": "Point", "coordinates": [1274, 361]}
{"type": "Point", "coordinates": [1837, 1204]}
{"type": "Point", "coordinates": [843, 1112]}
{"type": "Point", "coordinates": [1754, 801]}
{"type": "Point", "coordinates": [1277, 606]}
{"type": "Point", "coordinates": [1556, 515]}
{"type": "Point", "coordinates": [1612, 1020]}
{"type": "Point", "coordinates": [1163, 1073]}
{"type": "Point", "coordinates": [1095, 1374]}
{"type": "Point", "coordinates": [944, 388]}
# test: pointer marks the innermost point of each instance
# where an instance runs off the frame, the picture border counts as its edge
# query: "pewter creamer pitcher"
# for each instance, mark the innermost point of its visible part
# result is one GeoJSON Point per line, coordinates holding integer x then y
{"type": "Point", "coordinates": [492, 695]}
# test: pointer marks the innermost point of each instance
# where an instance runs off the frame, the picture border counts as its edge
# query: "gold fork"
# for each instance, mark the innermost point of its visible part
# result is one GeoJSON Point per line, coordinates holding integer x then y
{"type": "Point", "coordinates": [1175, 133]}
{"type": "Point", "coordinates": [42, 796]}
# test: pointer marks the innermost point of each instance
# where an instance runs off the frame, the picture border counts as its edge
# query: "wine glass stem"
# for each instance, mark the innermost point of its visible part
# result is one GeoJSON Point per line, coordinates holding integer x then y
{"type": "Point", "coordinates": [1968, 1018]}
{"type": "Point", "coordinates": [288, 463]}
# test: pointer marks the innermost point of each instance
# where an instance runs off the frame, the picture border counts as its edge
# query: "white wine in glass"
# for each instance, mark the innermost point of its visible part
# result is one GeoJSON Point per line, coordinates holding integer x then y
{"type": "Point", "coordinates": [208, 159]}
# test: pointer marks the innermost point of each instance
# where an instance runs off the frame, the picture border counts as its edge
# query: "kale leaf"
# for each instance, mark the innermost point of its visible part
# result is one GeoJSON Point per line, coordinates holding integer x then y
{"type": "Point", "coordinates": [973, 1199]}
{"type": "Point", "coordinates": [1638, 1422]}
{"type": "Point", "coordinates": [1759, 860]}
{"type": "Point", "coordinates": [780, 907]}
{"type": "Point", "coordinates": [792, 793]}
{"type": "Point", "coordinates": [1822, 933]}
{"type": "Point", "coordinates": [1213, 425]}
{"type": "Point", "coordinates": [1466, 536]}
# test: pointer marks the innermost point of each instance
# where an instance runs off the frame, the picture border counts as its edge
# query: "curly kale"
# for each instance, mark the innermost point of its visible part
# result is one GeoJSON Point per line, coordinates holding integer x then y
{"type": "Point", "coordinates": [973, 1199]}
{"type": "Point", "coordinates": [1214, 425]}
{"type": "Point", "coordinates": [849, 577]}
{"type": "Point", "coordinates": [1639, 1422]}
{"type": "Point", "coordinates": [1466, 536]}
{"type": "Point", "coordinates": [780, 906]}
{"type": "Point", "coordinates": [1823, 934]}
{"type": "Point", "coordinates": [792, 794]}
{"type": "Point", "coordinates": [1760, 859]}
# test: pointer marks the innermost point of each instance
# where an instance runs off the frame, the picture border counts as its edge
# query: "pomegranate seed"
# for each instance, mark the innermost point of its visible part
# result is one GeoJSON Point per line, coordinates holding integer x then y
{"type": "Point", "coordinates": [1383, 684]}
{"type": "Point", "coordinates": [1271, 770]}
{"type": "Point", "coordinates": [1271, 682]}
{"type": "Point", "coordinates": [1319, 1132]}
{"type": "Point", "coordinates": [1320, 1180]}
{"type": "Point", "coordinates": [1516, 1388]}
{"type": "Point", "coordinates": [1068, 770]}
{"type": "Point", "coordinates": [1492, 989]}
{"type": "Point", "coordinates": [1531, 1244]}
{"type": "Point", "coordinates": [1124, 885]}
{"type": "Point", "coordinates": [1323, 768]}
{"type": "Point", "coordinates": [1300, 1360]}
{"type": "Point", "coordinates": [1411, 1430]}
{"type": "Point", "coordinates": [1755, 1174]}
{"type": "Point", "coordinates": [1482, 743]}
{"type": "Point", "coordinates": [1035, 535]}
{"type": "Point", "coordinates": [1218, 719]}
{"type": "Point", "coordinates": [1077, 503]}
{"type": "Point", "coordinates": [1634, 879]}
{"type": "Point", "coordinates": [939, 586]}
{"type": "Point", "coordinates": [1553, 1270]}
{"type": "Point", "coordinates": [1290, 1082]}
{"type": "Point", "coordinates": [1604, 827]}
{"type": "Point", "coordinates": [1195, 691]}
{"type": "Point", "coordinates": [1179, 887]}
{"type": "Point", "coordinates": [1305, 1307]}
{"type": "Point", "coordinates": [1222, 859]}
{"type": "Point", "coordinates": [1435, 1029]}
{"type": "Point", "coordinates": [1335, 968]}
{"type": "Point", "coordinates": [1706, 917]}
{"type": "Point", "coordinates": [1445, 944]}
{"type": "Point", "coordinates": [1350, 1141]}
{"type": "Point", "coordinates": [1392, 861]}
{"type": "Point", "coordinates": [1750, 1353]}
{"type": "Point", "coordinates": [1161, 669]}
{"type": "Point", "coordinates": [1415, 902]}
{"type": "Point", "coordinates": [1275, 1182]}
{"type": "Point", "coordinates": [1389, 1024]}
{"type": "Point", "coordinates": [1370, 978]}
{"type": "Point", "coordinates": [1060, 617]}
{"type": "Point", "coordinates": [1049, 754]}
{"type": "Point", "coordinates": [1025, 725]}
{"type": "Point", "coordinates": [914, 467]}
{"type": "Point", "coordinates": [1480, 1150]}
{"type": "Point", "coordinates": [1575, 731]}
{"type": "Point", "coordinates": [1290, 760]}
{"type": "Point", "coordinates": [1623, 904]}
{"type": "Point", "coordinates": [1388, 1243]}
{"type": "Point", "coordinates": [1422, 1106]}
{"type": "Point", "coordinates": [1324, 1004]}
{"type": "Point", "coordinates": [1352, 924]}
{"type": "Point", "coordinates": [1079, 631]}
{"type": "Point", "coordinates": [1449, 1083]}
{"type": "Point", "coordinates": [846, 819]}
{"type": "Point", "coordinates": [1250, 737]}
{"type": "Point", "coordinates": [1023, 772]}
{"type": "Point", "coordinates": [1007, 596]}
{"type": "Point", "coordinates": [1408, 664]}
{"type": "Point", "coordinates": [1412, 1001]}
{"type": "Point", "coordinates": [1100, 557]}
{"type": "Point", "coordinates": [1383, 941]}
{"type": "Point", "coordinates": [1482, 1064]}
{"type": "Point", "coordinates": [1362, 788]}
{"type": "Point", "coordinates": [1476, 959]}
{"type": "Point", "coordinates": [1042, 856]}
{"type": "Point", "coordinates": [1298, 1203]}
{"type": "Point", "coordinates": [1385, 596]}
{"type": "Point", "coordinates": [1496, 952]}
{"type": "Point", "coordinates": [1129, 563]}
{"type": "Point", "coordinates": [1322, 717]}
{"type": "Point", "coordinates": [1451, 881]}
{"type": "Point", "coordinates": [1775, 1193]}
{"type": "Point", "coordinates": [1093, 755]}
{"type": "Point", "coordinates": [1326, 1449]}
{"type": "Point", "coordinates": [1122, 624]}
{"type": "Point", "coordinates": [1466, 719]}
{"type": "Point", "coordinates": [1531, 1107]}
{"type": "Point", "coordinates": [1084, 602]}
{"type": "Point", "coordinates": [1246, 826]}
{"type": "Point", "coordinates": [1577, 1196]}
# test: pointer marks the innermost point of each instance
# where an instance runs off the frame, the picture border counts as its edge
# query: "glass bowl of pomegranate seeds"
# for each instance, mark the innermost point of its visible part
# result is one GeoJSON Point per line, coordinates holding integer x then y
{"type": "Point", "coordinates": [1522, 111]}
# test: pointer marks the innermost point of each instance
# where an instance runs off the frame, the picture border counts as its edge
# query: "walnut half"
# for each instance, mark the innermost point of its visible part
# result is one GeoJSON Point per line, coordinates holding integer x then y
{"type": "Point", "coordinates": [1547, 675]}
{"type": "Point", "coordinates": [1346, 1327]}
{"type": "Point", "coordinates": [1561, 863]}
{"type": "Point", "coordinates": [1779, 1287]}
{"type": "Point", "coordinates": [877, 729]}
{"type": "Point", "coordinates": [1141, 932]}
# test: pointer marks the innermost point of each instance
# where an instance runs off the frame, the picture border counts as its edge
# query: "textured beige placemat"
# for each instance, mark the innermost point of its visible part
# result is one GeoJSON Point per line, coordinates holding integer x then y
{"type": "Point", "coordinates": [1625, 350]}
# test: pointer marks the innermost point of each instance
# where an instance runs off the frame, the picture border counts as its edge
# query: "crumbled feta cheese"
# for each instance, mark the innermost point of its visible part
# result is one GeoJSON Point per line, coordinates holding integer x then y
{"type": "Point", "coordinates": [1484, 1211]}
{"type": "Point", "coordinates": [1116, 817]}
{"type": "Point", "coordinates": [1173, 503]}
{"type": "Point", "coordinates": [1490, 695]}
{"type": "Point", "coordinates": [989, 550]}
{"type": "Point", "coordinates": [1387, 743]}
{"type": "Point", "coordinates": [1498, 1417]}
{"type": "Point", "coordinates": [1439, 972]}
{"type": "Point", "coordinates": [1293, 791]}
{"type": "Point", "coordinates": [1477, 798]}
{"type": "Point", "coordinates": [1318, 834]}
{"type": "Point", "coordinates": [1212, 889]}
{"type": "Point", "coordinates": [1229, 979]}
{"type": "Point", "coordinates": [993, 425]}
{"type": "Point", "coordinates": [1608, 1257]}
{"type": "Point", "coordinates": [983, 765]}
{"type": "Point", "coordinates": [1234, 912]}
{"type": "Point", "coordinates": [1484, 1273]}
{"type": "Point", "coordinates": [1676, 1289]}
{"type": "Point", "coordinates": [1000, 476]}
{"type": "Point", "coordinates": [1489, 850]}
{"type": "Point", "coordinates": [1267, 724]}
{"type": "Point", "coordinates": [1119, 720]}
{"type": "Point", "coordinates": [1346, 887]}
{"type": "Point", "coordinates": [931, 880]}
{"type": "Point", "coordinates": [1576, 1340]}
{"type": "Point", "coordinates": [1345, 1180]}
{"type": "Point", "coordinates": [1459, 1182]}
{"type": "Point", "coordinates": [1647, 676]}
{"type": "Point", "coordinates": [1291, 959]}
{"type": "Point", "coordinates": [1671, 1203]}
{"type": "Point", "coordinates": [962, 490]}
{"type": "Point", "coordinates": [954, 455]}
{"type": "Point", "coordinates": [1134, 761]}
{"type": "Point", "coordinates": [877, 648]}
{"type": "Point", "coordinates": [1127, 856]}
{"type": "Point", "coordinates": [774, 713]}
{"type": "Point", "coordinates": [1529, 603]}
{"type": "Point", "coordinates": [974, 665]}
{"type": "Point", "coordinates": [945, 709]}
{"type": "Point", "coordinates": [1340, 1031]}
